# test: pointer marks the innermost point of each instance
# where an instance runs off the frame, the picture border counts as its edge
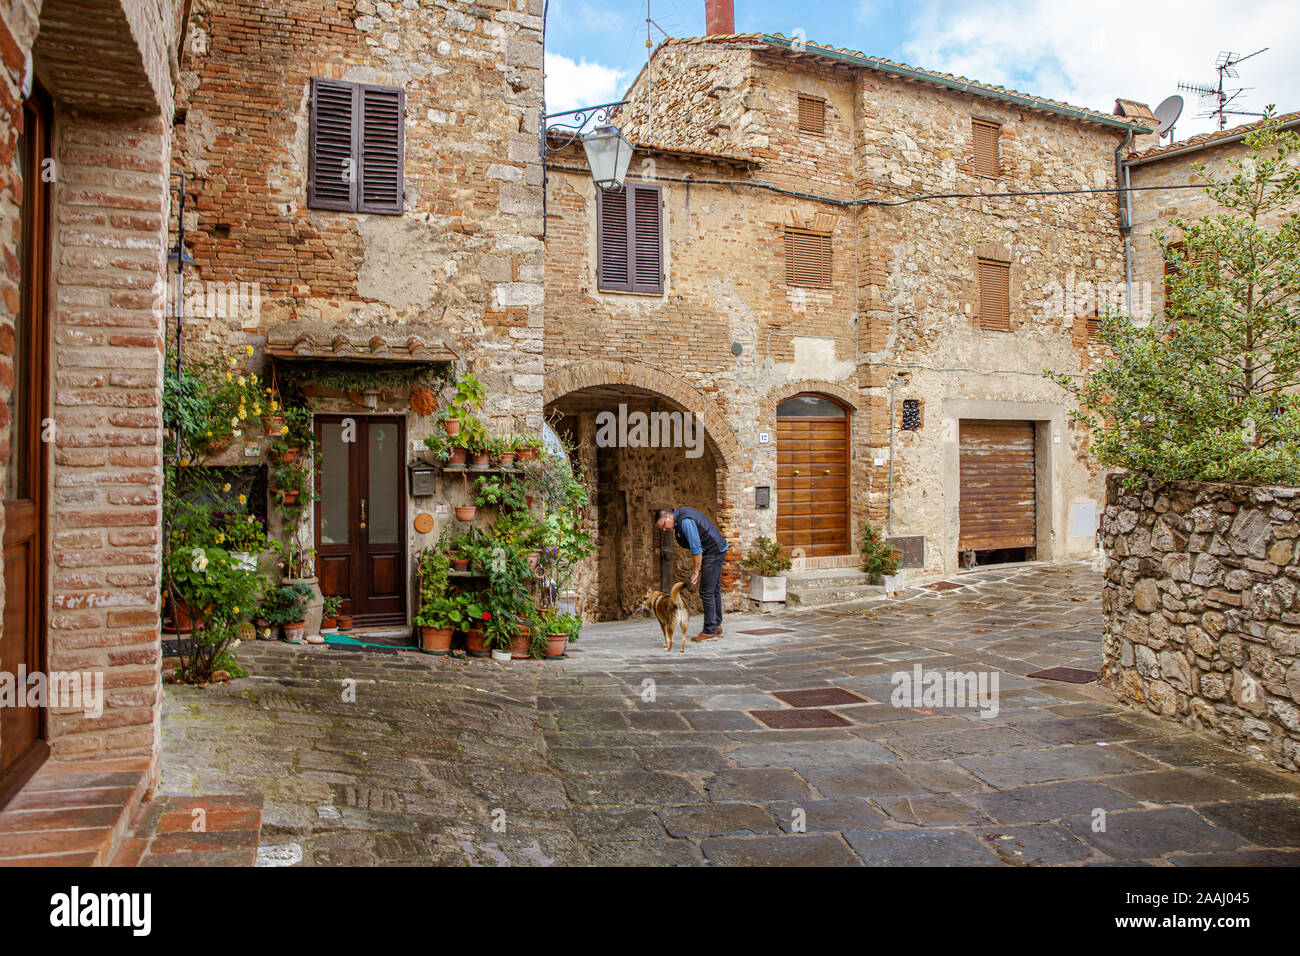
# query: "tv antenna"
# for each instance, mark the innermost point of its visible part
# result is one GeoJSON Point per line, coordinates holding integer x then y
{"type": "Point", "coordinates": [1223, 97]}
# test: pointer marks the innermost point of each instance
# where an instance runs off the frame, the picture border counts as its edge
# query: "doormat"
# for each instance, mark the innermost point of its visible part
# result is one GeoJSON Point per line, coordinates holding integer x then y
{"type": "Point", "coordinates": [762, 631]}
{"type": "Point", "coordinates": [818, 697]}
{"type": "Point", "coordinates": [1070, 675]}
{"type": "Point", "coordinates": [807, 719]}
{"type": "Point", "coordinates": [942, 586]}
{"type": "Point", "coordinates": [344, 642]}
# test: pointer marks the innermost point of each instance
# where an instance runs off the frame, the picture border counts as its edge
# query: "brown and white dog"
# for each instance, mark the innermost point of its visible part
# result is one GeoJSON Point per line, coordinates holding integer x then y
{"type": "Point", "coordinates": [671, 612]}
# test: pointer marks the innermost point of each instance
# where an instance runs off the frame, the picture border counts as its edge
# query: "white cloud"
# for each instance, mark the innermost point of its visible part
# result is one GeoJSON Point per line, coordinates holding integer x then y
{"type": "Point", "coordinates": [1090, 53]}
{"type": "Point", "coordinates": [571, 84]}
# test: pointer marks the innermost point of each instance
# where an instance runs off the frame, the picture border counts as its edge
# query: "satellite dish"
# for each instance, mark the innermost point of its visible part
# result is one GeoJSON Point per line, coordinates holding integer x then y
{"type": "Point", "coordinates": [1168, 112]}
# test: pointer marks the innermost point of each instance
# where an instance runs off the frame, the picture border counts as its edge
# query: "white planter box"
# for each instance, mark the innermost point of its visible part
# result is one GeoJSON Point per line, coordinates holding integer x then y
{"type": "Point", "coordinates": [766, 589]}
{"type": "Point", "coordinates": [892, 583]}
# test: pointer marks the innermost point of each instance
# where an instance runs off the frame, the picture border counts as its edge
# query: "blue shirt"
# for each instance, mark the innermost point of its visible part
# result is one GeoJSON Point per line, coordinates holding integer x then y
{"type": "Point", "coordinates": [692, 536]}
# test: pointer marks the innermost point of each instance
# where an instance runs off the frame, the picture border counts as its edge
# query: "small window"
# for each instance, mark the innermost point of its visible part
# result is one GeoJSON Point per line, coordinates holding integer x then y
{"type": "Point", "coordinates": [995, 295]}
{"type": "Point", "coordinates": [629, 240]}
{"type": "Point", "coordinates": [809, 406]}
{"type": "Point", "coordinates": [988, 155]}
{"type": "Point", "coordinates": [808, 258]}
{"type": "Point", "coordinates": [812, 115]}
{"type": "Point", "coordinates": [911, 414]}
{"type": "Point", "coordinates": [356, 147]}
{"type": "Point", "coordinates": [1092, 325]}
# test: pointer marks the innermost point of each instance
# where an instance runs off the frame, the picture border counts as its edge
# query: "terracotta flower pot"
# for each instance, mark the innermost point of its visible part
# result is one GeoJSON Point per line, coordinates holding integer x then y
{"type": "Point", "coordinates": [286, 457]}
{"type": "Point", "coordinates": [217, 446]}
{"type": "Point", "coordinates": [182, 617]}
{"type": "Point", "coordinates": [272, 425]}
{"type": "Point", "coordinates": [534, 557]}
{"type": "Point", "coordinates": [507, 459]}
{"type": "Point", "coordinates": [330, 623]}
{"type": "Point", "coordinates": [345, 622]}
{"type": "Point", "coordinates": [293, 632]}
{"type": "Point", "coordinates": [459, 456]}
{"type": "Point", "coordinates": [460, 564]}
{"type": "Point", "coordinates": [451, 426]}
{"type": "Point", "coordinates": [519, 646]}
{"type": "Point", "coordinates": [481, 460]}
{"type": "Point", "coordinates": [290, 498]}
{"type": "Point", "coordinates": [466, 512]}
{"type": "Point", "coordinates": [474, 642]}
{"type": "Point", "coordinates": [435, 640]}
{"type": "Point", "coordinates": [555, 646]}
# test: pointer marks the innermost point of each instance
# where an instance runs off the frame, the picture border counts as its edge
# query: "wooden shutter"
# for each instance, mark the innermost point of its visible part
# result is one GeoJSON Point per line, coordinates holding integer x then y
{"type": "Point", "coordinates": [812, 115]}
{"type": "Point", "coordinates": [808, 258]}
{"type": "Point", "coordinates": [613, 238]}
{"type": "Point", "coordinates": [647, 232]}
{"type": "Point", "coordinates": [995, 295]}
{"type": "Point", "coordinates": [332, 173]}
{"type": "Point", "coordinates": [998, 497]}
{"type": "Point", "coordinates": [382, 140]}
{"type": "Point", "coordinates": [629, 240]}
{"type": "Point", "coordinates": [985, 135]}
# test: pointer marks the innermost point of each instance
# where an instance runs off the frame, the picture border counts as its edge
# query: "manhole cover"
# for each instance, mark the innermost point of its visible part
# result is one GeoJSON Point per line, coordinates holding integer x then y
{"type": "Point", "coordinates": [799, 719]}
{"type": "Point", "coordinates": [769, 630]}
{"type": "Point", "coordinates": [941, 586]}
{"type": "Point", "coordinates": [1071, 675]}
{"type": "Point", "coordinates": [818, 697]}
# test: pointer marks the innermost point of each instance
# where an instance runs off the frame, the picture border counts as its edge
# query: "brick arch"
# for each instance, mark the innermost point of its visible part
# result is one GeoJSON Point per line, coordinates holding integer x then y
{"type": "Point", "coordinates": [580, 375]}
{"type": "Point", "coordinates": [776, 396]}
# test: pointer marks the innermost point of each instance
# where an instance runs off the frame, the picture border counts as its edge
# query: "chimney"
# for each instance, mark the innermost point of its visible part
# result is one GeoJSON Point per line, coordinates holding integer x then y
{"type": "Point", "coordinates": [719, 17]}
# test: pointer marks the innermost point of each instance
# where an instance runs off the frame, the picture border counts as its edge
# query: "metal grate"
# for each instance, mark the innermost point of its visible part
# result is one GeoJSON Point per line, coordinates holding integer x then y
{"type": "Point", "coordinates": [941, 586]}
{"type": "Point", "coordinates": [762, 631]}
{"type": "Point", "coordinates": [1070, 675]}
{"type": "Point", "coordinates": [818, 697]}
{"type": "Point", "coordinates": [911, 414]}
{"type": "Point", "coordinates": [799, 719]}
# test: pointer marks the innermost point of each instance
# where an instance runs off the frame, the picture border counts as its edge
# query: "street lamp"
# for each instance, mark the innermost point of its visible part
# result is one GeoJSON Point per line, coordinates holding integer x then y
{"type": "Point", "coordinates": [608, 155]}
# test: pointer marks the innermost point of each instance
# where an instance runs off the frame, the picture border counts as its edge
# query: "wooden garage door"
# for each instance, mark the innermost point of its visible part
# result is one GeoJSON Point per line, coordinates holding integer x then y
{"type": "Point", "coordinates": [812, 476]}
{"type": "Point", "coordinates": [997, 486]}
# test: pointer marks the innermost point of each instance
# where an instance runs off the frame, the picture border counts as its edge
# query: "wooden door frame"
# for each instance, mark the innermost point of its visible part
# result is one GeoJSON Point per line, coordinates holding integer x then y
{"type": "Point", "coordinates": [359, 473]}
{"type": "Point", "coordinates": [36, 321]}
{"type": "Point", "coordinates": [846, 419]}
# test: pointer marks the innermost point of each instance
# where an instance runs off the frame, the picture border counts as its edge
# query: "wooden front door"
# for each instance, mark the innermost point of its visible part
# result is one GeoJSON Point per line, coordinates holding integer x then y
{"type": "Point", "coordinates": [812, 476]}
{"type": "Point", "coordinates": [361, 516]}
{"type": "Point", "coordinates": [22, 645]}
{"type": "Point", "coordinates": [998, 493]}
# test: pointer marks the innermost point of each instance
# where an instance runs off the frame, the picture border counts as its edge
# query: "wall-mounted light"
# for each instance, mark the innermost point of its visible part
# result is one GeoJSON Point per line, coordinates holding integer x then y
{"type": "Point", "coordinates": [608, 155]}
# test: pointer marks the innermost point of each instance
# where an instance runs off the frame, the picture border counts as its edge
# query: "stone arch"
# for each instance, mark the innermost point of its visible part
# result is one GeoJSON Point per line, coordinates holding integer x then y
{"type": "Point", "coordinates": [579, 375]}
{"type": "Point", "coordinates": [847, 397]}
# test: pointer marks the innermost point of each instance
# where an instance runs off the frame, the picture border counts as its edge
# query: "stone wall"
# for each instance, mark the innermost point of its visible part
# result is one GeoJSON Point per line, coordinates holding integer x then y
{"type": "Point", "coordinates": [1202, 613]}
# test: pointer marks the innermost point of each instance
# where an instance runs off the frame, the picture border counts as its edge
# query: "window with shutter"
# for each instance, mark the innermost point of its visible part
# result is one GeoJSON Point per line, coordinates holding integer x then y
{"type": "Point", "coordinates": [995, 295]}
{"type": "Point", "coordinates": [986, 137]}
{"type": "Point", "coordinates": [356, 147]}
{"type": "Point", "coordinates": [812, 115]}
{"type": "Point", "coordinates": [629, 239]}
{"type": "Point", "coordinates": [808, 258]}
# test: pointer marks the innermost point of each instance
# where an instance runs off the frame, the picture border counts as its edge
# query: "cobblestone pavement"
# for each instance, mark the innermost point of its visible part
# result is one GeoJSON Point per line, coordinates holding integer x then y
{"type": "Point", "coordinates": [624, 754]}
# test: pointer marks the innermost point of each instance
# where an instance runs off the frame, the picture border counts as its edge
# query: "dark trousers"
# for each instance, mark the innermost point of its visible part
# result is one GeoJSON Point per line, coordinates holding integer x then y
{"type": "Point", "coordinates": [711, 591]}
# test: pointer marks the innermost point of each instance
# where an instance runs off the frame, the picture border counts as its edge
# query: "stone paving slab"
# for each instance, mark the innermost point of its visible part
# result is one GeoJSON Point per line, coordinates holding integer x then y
{"type": "Point", "coordinates": [622, 755]}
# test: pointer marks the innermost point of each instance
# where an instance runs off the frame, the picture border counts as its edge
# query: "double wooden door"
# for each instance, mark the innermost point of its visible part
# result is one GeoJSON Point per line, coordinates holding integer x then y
{"type": "Point", "coordinates": [812, 476]}
{"type": "Point", "coordinates": [361, 516]}
{"type": "Point", "coordinates": [22, 645]}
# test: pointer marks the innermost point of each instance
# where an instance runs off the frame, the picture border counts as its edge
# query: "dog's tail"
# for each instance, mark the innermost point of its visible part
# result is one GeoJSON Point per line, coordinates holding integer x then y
{"type": "Point", "coordinates": [675, 595]}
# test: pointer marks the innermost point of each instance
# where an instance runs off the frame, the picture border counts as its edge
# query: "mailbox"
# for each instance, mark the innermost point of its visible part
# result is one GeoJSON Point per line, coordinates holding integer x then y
{"type": "Point", "coordinates": [424, 479]}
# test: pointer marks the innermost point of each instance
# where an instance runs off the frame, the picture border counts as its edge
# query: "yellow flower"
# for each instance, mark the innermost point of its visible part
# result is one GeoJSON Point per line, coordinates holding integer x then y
{"type": "Point", "coordinates": [257, 409]}
{"type": "Point", "coordinates": [229, 377]}
{"type": "Point", "coordinates": [185, 462]}
{"type": "Point", "coordinates": [221, 539]}
{"type": "Point", "coordinates": [209, 433]}
{"type": "Point", "coordinates": [231, 360]}
{"type": "Point", "coordinates": [241, 380]}
{"type": "Point", "coordinates": [226, 486]}
{"type": "Point", "coordinates": [235, 609]}
{"type": "Point", "coordinates": [248, 350]}
{"type": "Point", "coordinates": [275, 406]}
{"type": "Point", "coordinates": [243, 499]}
{"type": "Point", "coordinates": [284, 429]}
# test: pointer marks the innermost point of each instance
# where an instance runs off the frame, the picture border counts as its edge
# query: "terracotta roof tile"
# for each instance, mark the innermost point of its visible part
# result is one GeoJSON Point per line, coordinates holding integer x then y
{"type": "Point", "coordinates": [1209, 139]}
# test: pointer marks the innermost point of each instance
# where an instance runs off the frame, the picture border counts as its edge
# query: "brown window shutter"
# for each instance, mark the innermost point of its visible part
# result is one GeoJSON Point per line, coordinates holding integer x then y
{"type": "Point", "coordinates": [986, 136]}
{"type": "Point", "coordinates": [808, 258]}
{"type": "Point", "coordinates": [332, 173]}
{"type": "Point", "coordinates": [995, 295]}
{"type": "Point", "coordinates": [647, 232]}
{"type": "Point", "coordinates": [613, 240]}
{"type": "Point", "coordinates": [812, 115]}
{"type": "Point", "coordinates": [383, 115]}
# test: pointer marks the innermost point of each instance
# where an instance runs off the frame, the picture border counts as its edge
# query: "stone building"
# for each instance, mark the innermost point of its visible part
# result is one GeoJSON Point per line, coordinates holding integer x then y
{"type": "Point", "coordinates": [430, 255]}
{"type": "Point", "coordinates": [814, 256]}
{"type": "Point", "coordinates": [86, 95]}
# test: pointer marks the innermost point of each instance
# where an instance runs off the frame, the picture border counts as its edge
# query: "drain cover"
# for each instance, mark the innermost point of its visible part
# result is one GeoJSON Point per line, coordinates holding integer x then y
{"type": "Point", "coordinates": [769, 630]}
{"type": "Point", "coordinates": [818, 697]}
{"type": "Point", "coordinates": [799, 719]}
{"type": "Point", "coordinates": [1071, 675]}
{"type": "Point", "coordinates": [941, 586]}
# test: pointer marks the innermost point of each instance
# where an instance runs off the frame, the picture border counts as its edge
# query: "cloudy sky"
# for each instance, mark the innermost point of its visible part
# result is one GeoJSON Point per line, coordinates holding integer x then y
{"type": "Point", "coordinates": [1085, 53]}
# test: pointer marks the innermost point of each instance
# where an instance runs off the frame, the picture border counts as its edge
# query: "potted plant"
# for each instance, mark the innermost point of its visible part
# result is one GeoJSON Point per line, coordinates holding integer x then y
{"type": "Point", "coordinates": [477, 618]}
{"type": "Point", "coordinates": [558, 630]}
{"type": "Point", "coordinates": [880, 559]}
{"type": "Point", "coordinates": [330, 605]}
{"type": "Point", "coordinates": [499, 491]}
{"type": "Point", "coordinates": [466, 512]}
{"type": "Point", "coordinates": [503, 451]}
{"type": "Point", "coordinates": [344, 622]}
{"type": "Point", "coordinates": [286, 607]}
{"type": "Point", "coordinates": [765, 563]}
{"type": "Point", "coordinates": [477, 445]}
{"type": "Point", "coordinates": [529, 447]}
{"type": "Point", "coordinates": [438, 620]}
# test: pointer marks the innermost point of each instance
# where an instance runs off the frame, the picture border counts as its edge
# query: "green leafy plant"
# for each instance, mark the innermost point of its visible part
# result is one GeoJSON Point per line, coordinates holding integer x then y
{"type": "Point", "coordinates": [879, 558]}
{"type": "Point", "coordinates": [434, 566]}
{"type": "Point", "coordinates": [286, 604]}
{"type": "Point", "coordinates": [767, 559]}
{"type": "Point", "coordinates": [1208, 391]}
{"type": "Point", "coordinates": [499, 491]}
{"type": "Point", "coordinates": [331, 604]}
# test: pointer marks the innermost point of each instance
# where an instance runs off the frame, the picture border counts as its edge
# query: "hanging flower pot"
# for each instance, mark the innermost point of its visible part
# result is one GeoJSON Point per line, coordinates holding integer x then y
{"type": "Point", "coordinates": [466, 512]}
{"type": "Point", "coordinates": [285, 457]}
{"type": "Point", "coordinates": [459, 456]}
{"type": "Point", "coordinates": [435, 640]}
{"type": "Point", "coordinates": [272, 425]}
{"type": "Point", "coordinates": [216, 446]}
{"type": "Point", "coordinates": [451, 426]}
{"type": "Point", "coordinates": [287, 498]}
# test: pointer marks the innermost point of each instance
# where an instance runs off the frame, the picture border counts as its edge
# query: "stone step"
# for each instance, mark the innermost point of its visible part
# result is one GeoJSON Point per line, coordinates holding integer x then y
{"type": "Point", "coordinates": [829, 586]}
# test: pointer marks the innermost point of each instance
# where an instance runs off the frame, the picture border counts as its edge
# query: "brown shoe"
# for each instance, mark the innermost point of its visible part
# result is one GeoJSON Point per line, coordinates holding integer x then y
{"type": "Point", "coordinates": [703, 636]}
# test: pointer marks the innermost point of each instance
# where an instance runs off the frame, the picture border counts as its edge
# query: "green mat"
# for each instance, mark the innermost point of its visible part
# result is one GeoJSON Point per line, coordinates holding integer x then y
{"type": "Point", "coordinates": [354, 642]}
